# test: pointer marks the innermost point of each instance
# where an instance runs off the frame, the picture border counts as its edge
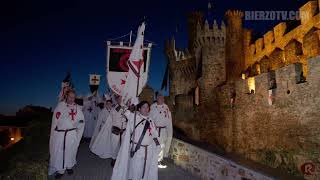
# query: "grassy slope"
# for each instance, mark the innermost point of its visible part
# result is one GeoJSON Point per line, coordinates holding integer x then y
{"type": "Point", "coordinates": [28, 159]}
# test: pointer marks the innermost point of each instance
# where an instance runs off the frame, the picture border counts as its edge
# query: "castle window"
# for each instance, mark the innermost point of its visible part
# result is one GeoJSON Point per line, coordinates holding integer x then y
{"type": "Point", "coordinates": [258, 69]}
{"type": "Point", "coordinates": [243, 75]}
{"type": "Point", "coordinates": [300, 77]}
{"type": "Point", "coordinates": [196, 96]}
{"type": "Point", "coordinates": [251, 85]}
{"type": "Point", "coordinates": [272, 80]}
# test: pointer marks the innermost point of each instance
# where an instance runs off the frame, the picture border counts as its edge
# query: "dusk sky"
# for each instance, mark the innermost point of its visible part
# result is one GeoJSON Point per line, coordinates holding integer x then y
{"type": "Point", "coordinates": [42, 39]}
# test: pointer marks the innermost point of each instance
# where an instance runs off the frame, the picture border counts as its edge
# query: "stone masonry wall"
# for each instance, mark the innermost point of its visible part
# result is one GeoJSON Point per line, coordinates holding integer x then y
{"type": "Point", "coordinates": [209, 166]}
{"type": "Point", "coordinates": [283, 135]}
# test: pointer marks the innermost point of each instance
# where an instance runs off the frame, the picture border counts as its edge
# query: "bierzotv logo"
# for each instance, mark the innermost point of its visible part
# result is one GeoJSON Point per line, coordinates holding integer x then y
{"type": "Point", "coordinates": [275, 15]}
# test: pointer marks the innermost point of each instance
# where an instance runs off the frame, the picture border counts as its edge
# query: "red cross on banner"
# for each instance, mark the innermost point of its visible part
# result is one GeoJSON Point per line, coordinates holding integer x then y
{"type": "Point", "coordinates": [95, 79]}
{"type": "Point", "coordinates": [138, 64]}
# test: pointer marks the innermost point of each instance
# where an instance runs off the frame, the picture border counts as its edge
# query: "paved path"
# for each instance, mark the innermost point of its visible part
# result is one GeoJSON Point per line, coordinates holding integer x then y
{"type": "Point", "coordinates": [91, 167]}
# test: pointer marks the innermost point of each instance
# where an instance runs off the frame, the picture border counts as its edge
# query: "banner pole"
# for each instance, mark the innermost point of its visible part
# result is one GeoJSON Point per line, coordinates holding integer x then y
{"type": "Point", "coordinates": [130, 38]}
{"type": "Point", "coordinates": [135, 111]}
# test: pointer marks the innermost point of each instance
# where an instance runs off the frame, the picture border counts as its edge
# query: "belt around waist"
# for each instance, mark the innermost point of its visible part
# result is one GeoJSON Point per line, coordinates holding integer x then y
{"type": "Point", "coordinates": [118, 128]}
{"type": "Point", "coordinates": [64, 130]}
{"type": "Point", "coordinates": [160, 127]}
{"type": "Point", "coordinates": [140, 144]}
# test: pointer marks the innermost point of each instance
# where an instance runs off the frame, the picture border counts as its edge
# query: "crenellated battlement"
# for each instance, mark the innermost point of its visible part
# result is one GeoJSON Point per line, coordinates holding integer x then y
{"type": "Point", "coordinates": [281, 36]}
{"type": "Point", "coordinates": [175, 54]}
{"type": "Point", "coordinates": [182, 55]}
{"type": "Point", "coordinates": [234, 13]}
{"type": "Point", "coordinates": [223, 51]}
{"type": "Point", "coordinates": [182, 68]}
{"type": "Point", "coordinates": [287, 79]}
{"type": "Point", "coordinates": [210, 34]}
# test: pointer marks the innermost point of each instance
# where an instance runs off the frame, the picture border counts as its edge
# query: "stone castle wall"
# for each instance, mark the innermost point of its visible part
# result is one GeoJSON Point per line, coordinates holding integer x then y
{"type": "Point", "coordinates": [206, 165]}
{"type": "Point", "coordinates": [182, 69]}
{"type": "Point", "coordinates": [285, 134]}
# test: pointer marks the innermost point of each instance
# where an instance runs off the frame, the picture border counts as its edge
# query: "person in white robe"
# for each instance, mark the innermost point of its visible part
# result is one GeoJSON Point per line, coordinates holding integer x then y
{"type": "Point", "coordinates": [66, 85]}
{"type": "Point", "coordinates": [107, 105]}
{"type": "Point", "coordinates": [138, 155]}
{"type": "Point", "coordinates": [66, 132]}
{"type": "Point", "coordinates": [119, 123]}
{"type": "Point", "coordinates": [101, 142]}
{"type": "Point", "coordinates": [161, 115]}
{"type": "Point", "coordinates": [91, 112]}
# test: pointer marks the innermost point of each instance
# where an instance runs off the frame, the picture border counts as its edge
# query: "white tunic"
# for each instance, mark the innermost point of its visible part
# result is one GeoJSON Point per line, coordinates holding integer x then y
{"type": "Point", "coordinates": [120, 121]}
{"type": "Point", "coordinates": [143, 165]}
{"type": "Point", "coordinates": [91, 112]}
{"type": "Point", "coordinates": [101, 140]}
{"type": "Point", "coordinates": [163, 120]}
{"type": "Point", "coordinates": [66, 132]}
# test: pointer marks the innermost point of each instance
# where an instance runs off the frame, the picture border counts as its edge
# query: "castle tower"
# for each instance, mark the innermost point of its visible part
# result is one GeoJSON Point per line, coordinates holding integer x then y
{"type": "Point", "coordinates": [234, 44]}
{"type": "Point", "coordinates": [170, 51]}
{"type": "Point", "coordinates": [194, 19]}
{"type": "Point", "coordinates": [211, 41]}
{"type": "Point", "coordinates": [181, 69]}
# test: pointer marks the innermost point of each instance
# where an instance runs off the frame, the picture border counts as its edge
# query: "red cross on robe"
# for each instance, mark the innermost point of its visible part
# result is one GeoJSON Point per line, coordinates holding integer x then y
{"type": "Point", "coordinates": [149, 130]}
{"type": "Point", "coordinates": [72, 114]}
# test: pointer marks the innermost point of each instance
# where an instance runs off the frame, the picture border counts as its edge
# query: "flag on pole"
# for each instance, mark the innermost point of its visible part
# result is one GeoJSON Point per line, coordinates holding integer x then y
{"type": "Point", "coordinates": [164, 84]}
{"type": "Point", "coordinates": [134, 81]}
{"type": "Point", "coordinates": [94, 79]}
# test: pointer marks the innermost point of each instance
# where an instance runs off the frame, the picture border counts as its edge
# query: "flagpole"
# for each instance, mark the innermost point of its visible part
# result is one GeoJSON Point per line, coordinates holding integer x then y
{"type": "Point", "coordinates": [135, 115]}
{"type": "Point", "coordinates": [130, 38]}
{"type": "Point", "coordinates": [135, 111]}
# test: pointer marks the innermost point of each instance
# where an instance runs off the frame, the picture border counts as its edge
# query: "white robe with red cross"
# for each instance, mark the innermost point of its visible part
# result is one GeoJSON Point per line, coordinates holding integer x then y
{"type": "Point", "coordinates": [65, 117]}
{"type": "Point", "coordinates": [127, 167]}
{"type": "Point", "coordinates": [163, 121]}
{"type": "Point", "coordinates": [91, 112]}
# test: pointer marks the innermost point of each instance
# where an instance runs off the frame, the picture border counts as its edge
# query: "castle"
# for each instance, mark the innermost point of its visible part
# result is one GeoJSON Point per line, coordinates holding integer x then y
{"type": "Point", "coordinates": [258, 98]}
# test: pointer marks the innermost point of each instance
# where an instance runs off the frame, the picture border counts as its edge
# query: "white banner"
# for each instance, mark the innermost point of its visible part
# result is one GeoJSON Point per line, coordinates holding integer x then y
{"type": "Point", "coordinates": [117, 67]}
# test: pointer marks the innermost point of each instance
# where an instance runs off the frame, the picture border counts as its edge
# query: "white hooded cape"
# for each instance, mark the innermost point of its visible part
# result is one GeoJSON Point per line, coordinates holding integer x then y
{"type": "Point", "coordinates": [102, 117]}
{"type": "Point", "coordinates": [161, 115]}
{"type": "Point", "coordinates": [101, 143]}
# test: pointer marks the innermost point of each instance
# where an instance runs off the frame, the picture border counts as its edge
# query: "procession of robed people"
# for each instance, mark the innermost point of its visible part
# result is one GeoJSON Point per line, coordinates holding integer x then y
{"type": "Point", "coordinates": [135, 135]}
